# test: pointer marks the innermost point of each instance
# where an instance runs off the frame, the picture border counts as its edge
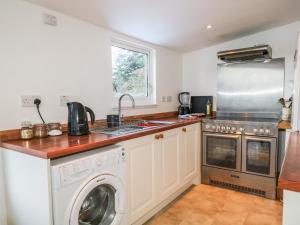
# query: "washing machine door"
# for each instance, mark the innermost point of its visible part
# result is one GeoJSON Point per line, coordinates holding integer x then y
{"type": "Point", "coordinates": [100, 202]}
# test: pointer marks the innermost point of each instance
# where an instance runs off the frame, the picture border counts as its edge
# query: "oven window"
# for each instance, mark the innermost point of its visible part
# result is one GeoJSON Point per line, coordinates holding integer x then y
{"type": "Point", "coordinates": [221, 152]}
{"type": "Point", "coordinates": [258, 156]}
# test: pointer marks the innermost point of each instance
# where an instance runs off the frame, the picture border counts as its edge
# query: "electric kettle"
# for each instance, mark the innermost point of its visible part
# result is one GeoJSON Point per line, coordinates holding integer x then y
{"type": "Point", "coordinates": [77, 119]}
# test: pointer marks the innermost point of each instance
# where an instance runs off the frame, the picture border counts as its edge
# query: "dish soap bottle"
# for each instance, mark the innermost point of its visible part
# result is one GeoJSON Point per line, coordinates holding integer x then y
{"type": "Point", "coordinates": [208, 108]}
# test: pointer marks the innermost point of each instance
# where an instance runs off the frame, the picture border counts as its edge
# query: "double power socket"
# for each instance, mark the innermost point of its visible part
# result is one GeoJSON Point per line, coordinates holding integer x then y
{"type": "Point", "coordinates": [28, 100]}
{"type": "Point", "coordinates": [166, 98]}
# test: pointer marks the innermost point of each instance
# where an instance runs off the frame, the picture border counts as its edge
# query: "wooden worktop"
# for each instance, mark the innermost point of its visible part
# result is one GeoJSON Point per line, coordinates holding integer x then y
{"type": "Point", "coordinates": [289, 178]}
{"type": "Point", "coordinates": [284, 125]}
{"type": "Point", "coordinates": [54, 147]}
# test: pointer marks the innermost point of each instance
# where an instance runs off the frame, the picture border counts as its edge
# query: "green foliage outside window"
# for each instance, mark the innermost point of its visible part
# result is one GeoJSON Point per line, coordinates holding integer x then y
{"type": "Point", "coordinates": [129, 72]}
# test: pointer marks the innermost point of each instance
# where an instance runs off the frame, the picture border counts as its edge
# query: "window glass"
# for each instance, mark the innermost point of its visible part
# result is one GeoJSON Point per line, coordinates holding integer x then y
{"type": "Point", "coordinates": [130, 71]}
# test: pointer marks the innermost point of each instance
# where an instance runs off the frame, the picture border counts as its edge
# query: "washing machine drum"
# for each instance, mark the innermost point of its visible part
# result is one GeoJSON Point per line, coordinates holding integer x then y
{"type": "Point", "coordinates": [100, 202]}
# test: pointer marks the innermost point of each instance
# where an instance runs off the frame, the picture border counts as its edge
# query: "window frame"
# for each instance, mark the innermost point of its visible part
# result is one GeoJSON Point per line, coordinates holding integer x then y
{"type": "Point", "coordinates": [140, 101]}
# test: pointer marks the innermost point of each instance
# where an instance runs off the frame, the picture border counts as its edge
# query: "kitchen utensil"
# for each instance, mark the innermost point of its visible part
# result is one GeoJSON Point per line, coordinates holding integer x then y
{"type": "Point", "coordinates": [77, 118]}
{"type": "Point", "coordinates": [183, 110]}
{"type": "Point", "coordinates": [184, 98]}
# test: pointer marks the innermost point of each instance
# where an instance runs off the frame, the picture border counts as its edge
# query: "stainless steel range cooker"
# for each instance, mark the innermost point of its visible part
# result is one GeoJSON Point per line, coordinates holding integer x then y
{"type": "Point", "coordinates": [241, 154]}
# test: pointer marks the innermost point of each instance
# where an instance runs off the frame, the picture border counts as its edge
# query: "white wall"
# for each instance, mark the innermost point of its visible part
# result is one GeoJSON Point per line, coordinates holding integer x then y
{"type": "Point", "coordinates": [200, 67]}
{"type": "Point", "coordinates": [291, 201]}
{"type": "Point", "coordinates": [2, 196]}
{"type": "Point", "coordinates": [70, 59]}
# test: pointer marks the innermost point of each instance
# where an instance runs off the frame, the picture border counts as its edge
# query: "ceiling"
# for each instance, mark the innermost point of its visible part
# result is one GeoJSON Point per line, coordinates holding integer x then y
{"type": "Point", "coordinates": [181, 24]}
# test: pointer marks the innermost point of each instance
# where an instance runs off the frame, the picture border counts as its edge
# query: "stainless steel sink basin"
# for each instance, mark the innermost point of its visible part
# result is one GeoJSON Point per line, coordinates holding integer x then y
{"type": "Point", "coordinates": [161, 122]}
{"type": "Point", "coordinates": [128, 129]}
{"type": "Point", "coordinates": [119, 131]}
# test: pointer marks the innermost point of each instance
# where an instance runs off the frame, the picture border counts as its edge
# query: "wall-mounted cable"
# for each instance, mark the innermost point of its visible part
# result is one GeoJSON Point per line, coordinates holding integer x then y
{"type": "Point", "coordinates": [37, 102]}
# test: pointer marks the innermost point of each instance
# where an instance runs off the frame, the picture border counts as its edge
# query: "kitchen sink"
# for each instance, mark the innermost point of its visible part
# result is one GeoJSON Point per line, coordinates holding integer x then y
{"type": "Point", "coordinates": [128, 129]}
{"type": "Point", "coordinates": [118, 131]}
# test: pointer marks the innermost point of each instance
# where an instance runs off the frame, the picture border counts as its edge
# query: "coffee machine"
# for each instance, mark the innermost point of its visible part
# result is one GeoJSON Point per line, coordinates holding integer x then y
{"type": "Point", "coordinates": [184, 100]}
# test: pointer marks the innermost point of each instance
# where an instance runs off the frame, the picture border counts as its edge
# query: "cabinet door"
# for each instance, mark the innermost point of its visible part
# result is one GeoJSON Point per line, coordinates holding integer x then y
{"type": "Point", "coordinates": [191, 152]}
{"type": "Point", "coordinates": [142, 170]}
{"type": "Point", "coordinates": [170, 163]}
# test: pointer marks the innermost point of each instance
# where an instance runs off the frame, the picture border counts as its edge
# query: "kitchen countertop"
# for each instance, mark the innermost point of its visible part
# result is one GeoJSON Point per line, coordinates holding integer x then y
{"type": "Point", "coordinates": [289, 178]}
{"type": "Point", "coordinates": [54, 147]}
{"type": "Point", "coordinates": [284, 125]}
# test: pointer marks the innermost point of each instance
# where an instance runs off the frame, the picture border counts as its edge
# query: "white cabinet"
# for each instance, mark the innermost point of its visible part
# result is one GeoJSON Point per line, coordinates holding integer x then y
{"type": "Point", "coordinates": [159, 166]}
{"type": "Point", "coordinates": [142, 171]}
{"type": "Point", "coordinates": [169, 163]}
{"type": "Point", "coordinates": [191, 152]}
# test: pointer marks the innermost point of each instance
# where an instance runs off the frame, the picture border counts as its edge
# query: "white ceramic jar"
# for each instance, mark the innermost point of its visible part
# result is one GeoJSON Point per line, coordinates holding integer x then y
{"type": "Point", "coordinates": [286, 113]}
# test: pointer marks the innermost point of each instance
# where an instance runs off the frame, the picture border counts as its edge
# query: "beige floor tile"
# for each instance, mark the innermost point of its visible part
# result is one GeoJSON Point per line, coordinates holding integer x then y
{"type": "Point", "coordinates": [262, 219]}
{"type": "Point", "coordinates": [208, 205]}
{"type": "Point", "coordinates": [229, 218]}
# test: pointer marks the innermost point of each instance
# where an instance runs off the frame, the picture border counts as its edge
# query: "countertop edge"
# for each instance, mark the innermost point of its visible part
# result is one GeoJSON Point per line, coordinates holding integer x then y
{"type": "Point", "coordinates": [56, 153]}
{"type": "Point", "coordinates": [289, 178]}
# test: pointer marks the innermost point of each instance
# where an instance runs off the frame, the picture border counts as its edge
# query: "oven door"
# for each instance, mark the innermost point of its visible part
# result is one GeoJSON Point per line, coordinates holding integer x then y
{"type": "Point", "coordinates": [222, 150]}
{"type": "Point", "coordinates": [259, 155]}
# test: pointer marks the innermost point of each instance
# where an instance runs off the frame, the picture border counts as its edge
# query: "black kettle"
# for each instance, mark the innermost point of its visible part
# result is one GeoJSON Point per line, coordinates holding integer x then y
{"type": "Point", "coordinates": [77, 119]}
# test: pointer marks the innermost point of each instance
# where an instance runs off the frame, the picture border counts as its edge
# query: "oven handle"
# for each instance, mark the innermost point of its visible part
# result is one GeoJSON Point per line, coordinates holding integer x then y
{"type": "Point", "coordinates": [259, 138]}
{"type": "Point", "coordinates": [223, 135]}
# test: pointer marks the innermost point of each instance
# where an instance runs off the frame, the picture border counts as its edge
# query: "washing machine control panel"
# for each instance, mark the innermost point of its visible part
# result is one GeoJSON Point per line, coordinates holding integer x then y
{"type": "Point", "coordinates": [83, 167]}
{"type": "Point", "coordinates": [110, 158]}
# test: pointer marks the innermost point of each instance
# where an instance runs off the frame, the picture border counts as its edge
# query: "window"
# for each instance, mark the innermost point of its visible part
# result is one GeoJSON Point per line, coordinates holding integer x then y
{"type": "Point", "coordinates": [132, 71]}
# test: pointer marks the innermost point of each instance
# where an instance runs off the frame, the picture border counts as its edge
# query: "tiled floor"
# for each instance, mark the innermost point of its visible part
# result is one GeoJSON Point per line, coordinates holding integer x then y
{"type": "Point", "coordinates": [208, 205]}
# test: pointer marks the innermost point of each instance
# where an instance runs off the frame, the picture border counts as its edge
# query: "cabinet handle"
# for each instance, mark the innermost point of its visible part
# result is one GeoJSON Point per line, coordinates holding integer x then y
{"type": "Point", "coordinates": [161, 135]}
{"type": "Point", "coordinates": [184, 129]}
{"type": "Point", "coordinates": [157, 136]}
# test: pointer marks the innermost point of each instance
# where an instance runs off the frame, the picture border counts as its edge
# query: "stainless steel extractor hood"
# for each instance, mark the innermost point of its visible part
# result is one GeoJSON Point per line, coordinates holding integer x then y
{"type": "Point", "coordinates": [261, 52]}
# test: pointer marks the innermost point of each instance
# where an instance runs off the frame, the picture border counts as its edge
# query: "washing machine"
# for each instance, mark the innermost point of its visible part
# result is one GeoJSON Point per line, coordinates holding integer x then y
{"type": "Point", "coordinates": [90, 188]}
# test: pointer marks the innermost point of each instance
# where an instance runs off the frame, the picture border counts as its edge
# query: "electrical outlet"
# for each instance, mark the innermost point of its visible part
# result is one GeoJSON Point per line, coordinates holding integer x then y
{"type": "Point", "coordinates": [28, 100]}
{"type": "Point", "coordinates": [49, 19]}
{"type": "Point", "coordinates": [169, 98]}
{"type": "Point", "coordinates": [163, 98]}
{"type": "Point", "coordinates": [64, 99]}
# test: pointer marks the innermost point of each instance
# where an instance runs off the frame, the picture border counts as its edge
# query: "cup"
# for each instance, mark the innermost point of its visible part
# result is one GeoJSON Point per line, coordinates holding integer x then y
{"type": "Point", "coordinates": [112, 121]}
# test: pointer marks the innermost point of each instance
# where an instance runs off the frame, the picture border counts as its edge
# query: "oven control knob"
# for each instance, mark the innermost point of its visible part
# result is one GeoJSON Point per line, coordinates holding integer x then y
{"type": "Point", "coordinates": [261, 131]}
{"type": "Point", "coordinates": [207, 126]}
{"type": "Point", "coordinates": [218, 127]}
{"type": "Point", "coordinates": [242, 129]}
{"type": "Point", "coordinates": [233, 129]}
{"type": "Point", "coordinates": [223, 128]}
{"type": "Point", "coordinates": [213, 127]}
{"type": "Point", "coordinates": [267, 131]}
{"type": "Point", "coordinates": [254, 130]}
{"type": "Point", "coordinates": [228, 128]}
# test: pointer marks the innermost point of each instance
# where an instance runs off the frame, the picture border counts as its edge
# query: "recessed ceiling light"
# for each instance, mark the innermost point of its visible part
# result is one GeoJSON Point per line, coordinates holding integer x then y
{"type": "Point", "coordinates": [209, 26]}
